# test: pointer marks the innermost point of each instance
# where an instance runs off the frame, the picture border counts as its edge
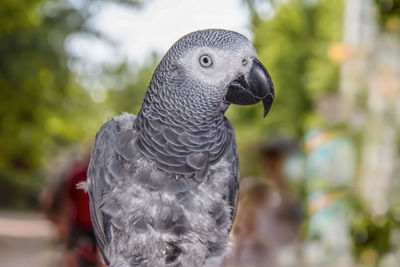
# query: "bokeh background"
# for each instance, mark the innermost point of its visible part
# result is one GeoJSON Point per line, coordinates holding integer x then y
{"type": "Point", "coordinates": [320, 175]}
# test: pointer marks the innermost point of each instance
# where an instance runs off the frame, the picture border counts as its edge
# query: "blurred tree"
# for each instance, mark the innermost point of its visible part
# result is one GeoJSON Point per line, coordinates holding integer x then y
{"type": "Point", "coordinates": [294, 42]}
{"type": "Point", "coordinates": [35, 81]}
{"type": "Point", "coordinates": [389, 12]}
{"type": "Point", "coordinates": [131, 85]}
{"type": "Point", "coordinates": [42, 107]}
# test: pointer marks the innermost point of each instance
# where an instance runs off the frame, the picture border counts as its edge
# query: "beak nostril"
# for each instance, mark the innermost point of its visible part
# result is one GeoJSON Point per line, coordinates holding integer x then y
{"type": "Point", "coordinates": [252, 87]}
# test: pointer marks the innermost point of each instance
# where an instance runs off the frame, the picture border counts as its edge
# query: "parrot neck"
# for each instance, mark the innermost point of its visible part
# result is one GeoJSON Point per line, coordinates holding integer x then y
{"type": "Point", "coordinates": [182, 121]}
{"type": "Point", "coordinates": [169, 137]}
{"type": "Point", "coordinates": [187, 116]}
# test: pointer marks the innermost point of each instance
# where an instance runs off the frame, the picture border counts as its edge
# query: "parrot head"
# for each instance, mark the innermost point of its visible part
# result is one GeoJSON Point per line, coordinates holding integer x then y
{"type": "Point", "coordinates": [211, 69]}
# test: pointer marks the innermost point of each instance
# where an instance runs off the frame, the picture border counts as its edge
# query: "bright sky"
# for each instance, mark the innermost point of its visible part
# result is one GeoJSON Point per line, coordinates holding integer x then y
{"type": "Point", "coordinates": [136, 33]}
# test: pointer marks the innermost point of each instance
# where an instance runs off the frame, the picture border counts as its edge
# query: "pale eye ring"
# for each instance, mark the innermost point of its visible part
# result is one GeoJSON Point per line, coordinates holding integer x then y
{"type": "Point", "coordinates": [205, 61]}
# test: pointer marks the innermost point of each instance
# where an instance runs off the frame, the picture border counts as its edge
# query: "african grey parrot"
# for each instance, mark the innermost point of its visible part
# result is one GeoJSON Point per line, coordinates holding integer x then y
{"type": "Point", "coordinates": [163, 186]}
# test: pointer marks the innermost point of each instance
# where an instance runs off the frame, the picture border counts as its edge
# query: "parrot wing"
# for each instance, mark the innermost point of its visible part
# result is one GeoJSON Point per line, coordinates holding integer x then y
{"type": "Point", "coordinates": [111, 142]}
{"type": "Point", "coordinates": [233, 183]}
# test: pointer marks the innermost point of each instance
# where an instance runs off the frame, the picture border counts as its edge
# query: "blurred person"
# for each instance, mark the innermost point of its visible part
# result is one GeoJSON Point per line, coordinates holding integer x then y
{"type": "Point", "coordinates": [268, 219]}
{"type": "Point", "coordinates": [68, 208]}
{"type": "Point", "coordinates": [81, 243]}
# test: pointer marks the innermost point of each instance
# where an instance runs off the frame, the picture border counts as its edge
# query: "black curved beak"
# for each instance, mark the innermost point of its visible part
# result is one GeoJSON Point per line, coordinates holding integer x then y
{"type": "Point", "coordinates": [256, 86]}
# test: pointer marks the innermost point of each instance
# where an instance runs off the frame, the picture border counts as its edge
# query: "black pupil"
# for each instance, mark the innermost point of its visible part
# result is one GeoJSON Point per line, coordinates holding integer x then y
{"type": "Point", "coordinates": [205, 60]}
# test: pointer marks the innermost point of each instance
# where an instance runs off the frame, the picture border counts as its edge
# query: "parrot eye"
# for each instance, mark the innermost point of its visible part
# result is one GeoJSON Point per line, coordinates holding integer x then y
{"type": "Point", "coordinates": [206, 61]}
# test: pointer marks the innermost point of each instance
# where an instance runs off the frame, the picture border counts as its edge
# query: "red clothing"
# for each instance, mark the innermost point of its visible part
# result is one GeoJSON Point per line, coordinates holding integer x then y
{"type": "Point", "coordinates": [80, 200]}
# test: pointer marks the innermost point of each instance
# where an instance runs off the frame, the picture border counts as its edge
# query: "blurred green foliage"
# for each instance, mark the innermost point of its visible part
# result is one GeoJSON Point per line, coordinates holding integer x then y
{"type": "Point", "coordinates": [43, 108]}
{"type": "Point", "coordinates": [295, 45]}
{"type": "Point", "coordinates": [389, 12]}
{"type": "Point", "coordinates": [128, 96]}
{"type": "Point", "coordinates": [293, 42]}
{"type": "Point", "coordinates": [39, 98]}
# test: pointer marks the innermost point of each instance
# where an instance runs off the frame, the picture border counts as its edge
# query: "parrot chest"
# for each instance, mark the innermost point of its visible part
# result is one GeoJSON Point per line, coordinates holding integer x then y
{"type": "Point", "coordinates": [187, 224]}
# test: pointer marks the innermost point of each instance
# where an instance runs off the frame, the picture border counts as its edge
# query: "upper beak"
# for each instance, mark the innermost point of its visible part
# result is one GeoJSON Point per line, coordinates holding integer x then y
{"type": "Point", "coordinates": [256, 86]}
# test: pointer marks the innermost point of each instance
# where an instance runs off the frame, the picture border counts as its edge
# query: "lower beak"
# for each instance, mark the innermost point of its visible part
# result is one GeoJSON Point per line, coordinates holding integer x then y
{"type": "Point", "coordinates": [256, 86]}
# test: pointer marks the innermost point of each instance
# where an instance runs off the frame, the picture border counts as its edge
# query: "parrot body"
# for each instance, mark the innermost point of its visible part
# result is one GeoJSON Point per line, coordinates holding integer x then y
{"type": "Point", "coordinates": [163, 186]}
